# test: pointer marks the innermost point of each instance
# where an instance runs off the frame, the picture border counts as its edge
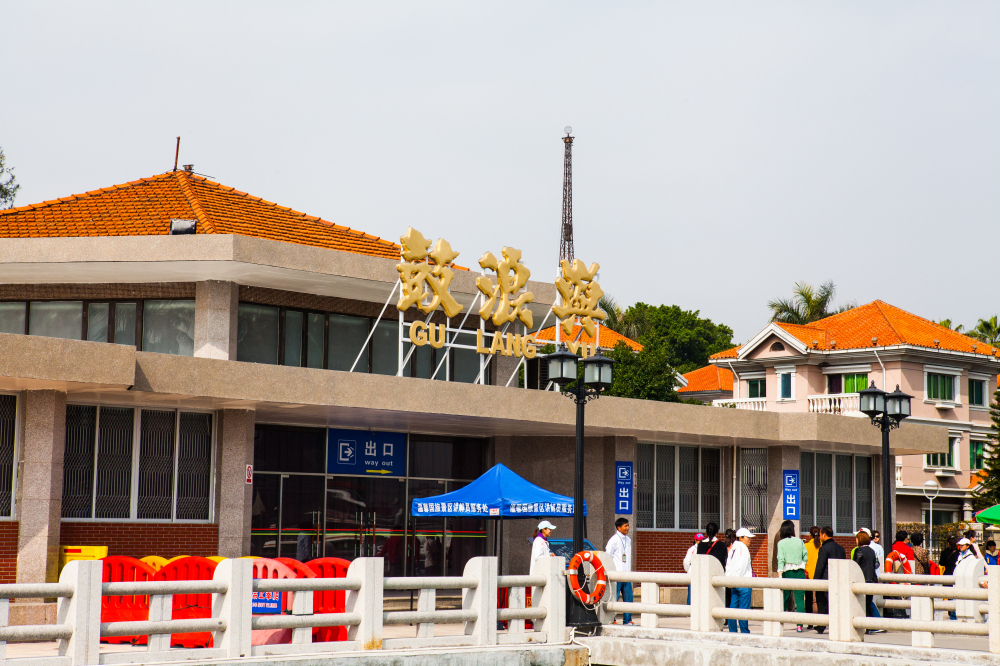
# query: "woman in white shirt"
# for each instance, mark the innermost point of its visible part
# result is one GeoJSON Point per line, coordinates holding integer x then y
{"type": "Point", "coordinates": [739, 565]}
{"type": "Point", "coordinates": [540, 546]}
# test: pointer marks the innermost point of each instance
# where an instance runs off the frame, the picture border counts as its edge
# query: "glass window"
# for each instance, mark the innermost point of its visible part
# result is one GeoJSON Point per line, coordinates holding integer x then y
{"type": "Point", "coordinates": [976, 455]}
{"type": "Point", "coordinates": [8, 415]}
{"type": "Point", "coordinates": [665, 481]}
{"type": "Point", "coordinates": [302, 516]}
{"type": "Point", "coordinates": [12, 318]}
{"type": "Point", "coordinates": [835, 491]}
{"type": "Point", "coordinates": [834, 384]}
{"type": "Point", "coordinates": [465, 362]}
{"type": "Point", "coordinates": [711, 490]}
{"type": "Point", "coordinates": [289, 449]}
{"type": "Point", "coordinates": [347, 337]}
{"type": "Point", "coordinates": [845, 495]}
{"type": "Point", "coordinates": [315, 334]}
{"type": "Point", "coordinates": [688, 487]}
{"type": "Point", "coordinates": [264, 515]}
{"type": "Point", "coordinates": [943, 459]}
{"type": "Point", "coordinates": [423, 362]}
{"type": "Point", "coordinates": [194, 466]}
{"type": "Point", "coordinates": [940, 387]}
{"type": "Point", "coordinates": [385, 348]}
{"type": "Point", "coordinates": [446, 457]}
{"type": "Point", "coordinates": [824, 490]}
{"type": "Point", "coordinates": [688, 499]}
{"type": "Point", "coordinates": [113, 497]}
{"type": "Point", "coordinates": [97, 321]}
{"type": "Point", "coordinates": [78, 461]}
{"type": "Point", "coordinates": [168, 327]}
{"type": "Point", "coordinates": [977, 392]}
{"type": "Point", "coordinates": [864, 510]}
{"type": "Point", "coordinates": [753, 490]}
{"type": "Point", "coordinates": [644, 485]}
{"type": "Point", "coordinates": [786, 385]}
{"type": "Point", "coordinates": [755, 388]}
{"type": "Point", "coordinates": [56, 319]}
{"type": "Point", "coordinates": [156, 464]}
{"type": "Point", "coordinates": [807, 490]}
{"type": "Point", "coordinates": [293, 339]}
{"type": "Point", "coordinates": [855, 382]}
{"type": "Point", "coordinates": [257, 334]}
{"type": "Point", "coordinates": [125, 323]}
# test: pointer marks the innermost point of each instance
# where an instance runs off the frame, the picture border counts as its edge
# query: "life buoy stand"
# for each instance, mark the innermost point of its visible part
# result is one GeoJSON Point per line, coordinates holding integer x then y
{"type": "Point", "coordinates": [600, 579]}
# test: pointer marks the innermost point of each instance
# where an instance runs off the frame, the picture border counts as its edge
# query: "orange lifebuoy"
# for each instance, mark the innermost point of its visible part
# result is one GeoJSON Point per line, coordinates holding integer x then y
{"type": "Point", "coordinates": [601, 580]}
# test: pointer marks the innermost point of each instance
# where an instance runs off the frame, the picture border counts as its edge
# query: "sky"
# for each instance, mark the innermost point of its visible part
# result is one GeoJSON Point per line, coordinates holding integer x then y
{"type": "Point", "coordinates": [723, 152]}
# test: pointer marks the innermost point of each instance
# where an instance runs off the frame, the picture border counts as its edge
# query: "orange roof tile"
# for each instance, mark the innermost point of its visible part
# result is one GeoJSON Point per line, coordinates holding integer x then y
{"type": "Point", "coordinates": [886, 323]}
{"type": "Point", "coordinates": [709, 378]}
{"type": "Point", "coordinates": [609, 339]}
{"type": "Point", "coordinates": [144, 208]}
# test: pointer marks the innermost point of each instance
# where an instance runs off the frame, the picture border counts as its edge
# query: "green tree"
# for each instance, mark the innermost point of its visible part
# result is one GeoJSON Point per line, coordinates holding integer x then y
{"type": "Point", "coordinates": [8, 183]}
{"type": "Point", "coordinates": [987, 494]}
{"type": "Point", "coordinates": [947, 324]}
{"type": "Point", "coordinates": [645, 375]}
{"type": "Point", "coordinates": [807, 304]}
{"type": "Point", "coordinates": [986, 330]}
{"type": "Point", "coordinates": [625, 322]}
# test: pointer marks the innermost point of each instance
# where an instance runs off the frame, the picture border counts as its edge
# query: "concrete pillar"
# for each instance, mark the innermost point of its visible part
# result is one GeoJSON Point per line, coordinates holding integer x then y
{"type": "Point", "coordinates": [40, 481]}
{"type": "Point", "coordinates": [216, 305]}
{"type": "Point", "coordinates": [778, 458]}
{"type": "Point", "coordinates": [234, 496]}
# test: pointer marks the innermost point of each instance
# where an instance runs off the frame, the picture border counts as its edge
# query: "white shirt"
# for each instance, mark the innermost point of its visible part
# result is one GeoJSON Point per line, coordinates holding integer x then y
{"type": "Point", "coordinates": [739, 562]}
{"type": "Point", "coordinates": [964, 555]}
{"type": "Point", "coordinates": [619, 549]}
{"type": "Point", "coordinates": [692, 551]}
{"type": "Point", "coordinates": [877, 547]}
{"type": "Point", "coordinates": [539, 548]}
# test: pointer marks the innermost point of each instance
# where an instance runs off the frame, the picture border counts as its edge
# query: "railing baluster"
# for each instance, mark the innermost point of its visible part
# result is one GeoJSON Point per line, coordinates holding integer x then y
{"type": "Point", "coordinates": [426, 602]}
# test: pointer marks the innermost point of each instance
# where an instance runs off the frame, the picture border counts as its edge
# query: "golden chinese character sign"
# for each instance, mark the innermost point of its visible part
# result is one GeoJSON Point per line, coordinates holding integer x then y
{"type": "Point", "coordinates": [512, 276]}
{"type": "Point", "coordinates": [580, 296]}
{"type": "Point", "coordinates": [423, 283]}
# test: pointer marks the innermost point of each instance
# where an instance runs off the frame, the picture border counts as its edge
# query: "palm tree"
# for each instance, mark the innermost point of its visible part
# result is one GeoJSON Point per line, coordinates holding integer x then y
{"type": "Point", "coordinates": [807, 304]}
{"type": "Point", "coordinates": [986, 330]}
{"type": "Point", "coordinates": [621, 321]}
{"type": "Point", "coordinates": [947, 324]}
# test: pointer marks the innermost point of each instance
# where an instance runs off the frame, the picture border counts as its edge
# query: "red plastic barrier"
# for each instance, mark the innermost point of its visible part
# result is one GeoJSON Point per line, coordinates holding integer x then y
{"type": "Point", "coordinates": [329, 602]}
{"type": "Point", "coordinates": [188, 606]}
{"type": "Point", "coordinates": [119, 569]}
{"type": "Point", "coordinates": [264, 567]}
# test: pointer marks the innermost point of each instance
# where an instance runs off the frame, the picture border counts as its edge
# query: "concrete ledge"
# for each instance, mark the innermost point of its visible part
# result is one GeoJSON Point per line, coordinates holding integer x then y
{"type": "Point", "coordinates": [31, 612]}
{"type": "Point", "coordinates": [34, 361]}
{"type": "Point", "coordinates": [635, 646]}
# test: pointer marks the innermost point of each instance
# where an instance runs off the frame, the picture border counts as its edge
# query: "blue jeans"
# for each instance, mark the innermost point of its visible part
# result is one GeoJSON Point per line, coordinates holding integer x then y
{"type": "Point", "coordinates": [689, 596]}
{"type": "Point", "coordinates": [624, 590]}
{"type": "Point", "coordinates": [740, 599]}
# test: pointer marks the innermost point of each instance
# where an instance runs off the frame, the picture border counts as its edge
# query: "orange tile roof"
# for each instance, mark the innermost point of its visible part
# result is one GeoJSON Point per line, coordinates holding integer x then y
{"type": "Point", "coordinates": [609, 339]}
{"type": "Point", "coordinates": [144, 208]}
{"type": "Point", "coordinates": [976, 478]}
{"type": "Point", "coordinates": [709, 378]}
{"type": "Point", "coordinates": [890, 325]}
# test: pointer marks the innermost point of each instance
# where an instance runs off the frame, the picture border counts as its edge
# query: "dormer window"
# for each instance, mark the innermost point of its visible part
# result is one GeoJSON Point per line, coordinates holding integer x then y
{"type": "Point", "coordinates": [777, 347]}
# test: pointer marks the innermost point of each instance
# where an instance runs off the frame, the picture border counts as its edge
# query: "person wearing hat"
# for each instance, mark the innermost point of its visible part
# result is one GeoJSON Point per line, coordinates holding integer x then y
{"type": "Point", "coordinates": [619, 549]}
{"type": "Point", "coordinates": [692, 551]}
{"type": "Point", "coordinates": [964, 550]}
{"type": "Point", "coordinates": [540, 546]}
{"type": "Point", "coordinates": [739, 565]}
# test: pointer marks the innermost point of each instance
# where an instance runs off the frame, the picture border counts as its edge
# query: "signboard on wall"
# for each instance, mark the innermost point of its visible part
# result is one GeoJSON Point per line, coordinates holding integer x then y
{"type": "Point", "coordinates": [623, 488]}
{"type": "Point", "coordinates": [367, 452]}
{"type": "Point", "coordinates": [790, 494]}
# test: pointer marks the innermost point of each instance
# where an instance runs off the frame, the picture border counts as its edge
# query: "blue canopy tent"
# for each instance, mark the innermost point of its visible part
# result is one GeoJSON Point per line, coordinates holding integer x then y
{"type": "Point", "coordinates": [497, 494]}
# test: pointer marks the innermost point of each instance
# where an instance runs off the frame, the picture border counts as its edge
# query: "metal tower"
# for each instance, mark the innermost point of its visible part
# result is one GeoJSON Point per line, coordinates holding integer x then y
{"type": "Point", "coordinates": [566, 237]}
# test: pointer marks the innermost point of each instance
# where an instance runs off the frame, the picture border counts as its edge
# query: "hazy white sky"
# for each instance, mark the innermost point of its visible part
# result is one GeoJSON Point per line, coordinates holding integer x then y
{"type": "Point", "coordinates": [724, 150]}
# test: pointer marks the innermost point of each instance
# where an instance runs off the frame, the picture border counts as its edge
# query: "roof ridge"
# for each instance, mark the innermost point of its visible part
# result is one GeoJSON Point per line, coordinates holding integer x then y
{"type": "Point", "coordinates": [84, 195]}
{"type": "Point", "coordinates": [878, 304]}
{"type": "Point", "coordinates": [192, 200]}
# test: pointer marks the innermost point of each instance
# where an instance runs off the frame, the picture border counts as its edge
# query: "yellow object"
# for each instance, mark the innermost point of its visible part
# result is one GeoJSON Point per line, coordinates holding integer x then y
{"type": "Point", "coordinates": [215, 558]}
{"type": "Point", "coordinates": [70, 553]}
{"type": "Point", "coordinates": [176, 558]}
{"type": "Point", "coordinates": [154, 561]}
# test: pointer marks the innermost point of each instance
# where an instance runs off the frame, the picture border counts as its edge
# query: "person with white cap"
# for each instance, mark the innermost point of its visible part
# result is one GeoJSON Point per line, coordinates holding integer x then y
{"type": "Point", "coordinates": [540, 546]}
{"type": "Point", "coordinates": [964, 551]}
{"type": "Point", "coordinates": [619, 549]}
{"type": "Point", "coordinates": [739, 565]}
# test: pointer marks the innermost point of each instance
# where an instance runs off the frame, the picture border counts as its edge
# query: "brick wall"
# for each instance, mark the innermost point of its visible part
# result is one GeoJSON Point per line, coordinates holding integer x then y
{"type": "Point", "coordinates": [8, 551]}
{"type": "Point", "coordinates": [141, 539]}
{"type": "Point", "coordinates": [664, 551]}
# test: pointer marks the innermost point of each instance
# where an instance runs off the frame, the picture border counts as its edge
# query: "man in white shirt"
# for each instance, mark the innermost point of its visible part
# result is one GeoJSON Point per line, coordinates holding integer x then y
{"type": "Point", "coordinates": [619, 549]}
{"type": "Point", "coordinates": [739, 565]}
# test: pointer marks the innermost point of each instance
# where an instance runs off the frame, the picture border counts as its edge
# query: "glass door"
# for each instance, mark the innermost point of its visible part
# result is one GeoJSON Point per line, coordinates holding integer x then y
{"type": "Point", "coordinates": [366, 518]}
{"type": "Point", "coordinates": [286, 510]}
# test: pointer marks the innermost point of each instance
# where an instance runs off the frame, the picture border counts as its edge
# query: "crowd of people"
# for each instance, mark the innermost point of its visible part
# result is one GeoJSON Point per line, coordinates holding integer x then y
{"type": "Point", "coordinates": [809, 557]}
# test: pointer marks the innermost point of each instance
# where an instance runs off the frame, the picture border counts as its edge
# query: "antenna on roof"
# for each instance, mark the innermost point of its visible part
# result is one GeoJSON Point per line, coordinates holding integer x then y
{"type": "Point", "coordinates": [177, 153]}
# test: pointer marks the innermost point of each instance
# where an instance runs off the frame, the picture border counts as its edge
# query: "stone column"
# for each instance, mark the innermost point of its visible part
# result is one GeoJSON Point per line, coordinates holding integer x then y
{"type": "Point", "coordinates": [778, 458]}
{"type": "Point", "coordinates": [40, 479]}
{"type": "Point", "coordinates": [216, 305]}
{"type": "Point", "coordinates": [234, 496]}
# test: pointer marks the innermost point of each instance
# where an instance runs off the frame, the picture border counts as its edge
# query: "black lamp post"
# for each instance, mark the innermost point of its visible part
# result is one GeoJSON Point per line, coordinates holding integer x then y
{"type": "Point", "coordinates": [885, 410]}
{"type": "Point", "coordinates": [598, 371]}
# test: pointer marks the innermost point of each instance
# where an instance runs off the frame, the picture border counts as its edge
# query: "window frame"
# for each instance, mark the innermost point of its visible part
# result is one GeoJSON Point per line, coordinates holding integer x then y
{"type": "Point", "coordinates": [760, 384]}
{"type": "Point", "coordinates": [833, 490]}
{"type": "Point", "coordinates": [942, 371]}
{"type": "Point", "coordinates": [951, 460]}
{"type": "Point", "coordinates": [677, 498]}
{"type": "Point", "coordinates": [18, 405]}
{"type": "Point", "coordinates": [136, 451]}
{"type": "Point", "coordinates": [984, 383]}
{"type": "Point", "coordinates": [974, 446]}
{"type": "Point", "coordinates": [779, 372]}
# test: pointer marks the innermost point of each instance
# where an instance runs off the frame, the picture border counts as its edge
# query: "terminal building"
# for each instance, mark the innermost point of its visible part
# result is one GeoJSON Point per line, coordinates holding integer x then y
{"type": "Point", "coordinates": [188, 369]}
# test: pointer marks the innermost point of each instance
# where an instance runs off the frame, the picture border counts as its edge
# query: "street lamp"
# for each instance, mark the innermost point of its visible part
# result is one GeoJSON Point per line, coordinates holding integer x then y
{"type": "Point", "coordinates": [885, 410]}
{"type": "Point", "coordinates": [931, 485]}
{"type": "Point", "coordinates": [598, 372]}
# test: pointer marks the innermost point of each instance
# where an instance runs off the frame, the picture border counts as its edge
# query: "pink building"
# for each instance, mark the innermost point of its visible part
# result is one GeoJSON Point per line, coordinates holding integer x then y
{"type": "Point", "coordinates": [821, 367]}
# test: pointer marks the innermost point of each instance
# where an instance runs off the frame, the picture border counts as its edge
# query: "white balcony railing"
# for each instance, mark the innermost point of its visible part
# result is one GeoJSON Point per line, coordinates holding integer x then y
{"type": "Point", "coordinates": [844, 404]}
{"type": "Point", "coordinates": [753, 404]}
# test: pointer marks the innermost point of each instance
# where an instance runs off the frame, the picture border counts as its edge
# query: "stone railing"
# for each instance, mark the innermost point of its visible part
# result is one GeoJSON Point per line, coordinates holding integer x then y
{"type": "Point", "coordinates": [753, 404]}
{"type": "Point", "coordinates": [844, 404]}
